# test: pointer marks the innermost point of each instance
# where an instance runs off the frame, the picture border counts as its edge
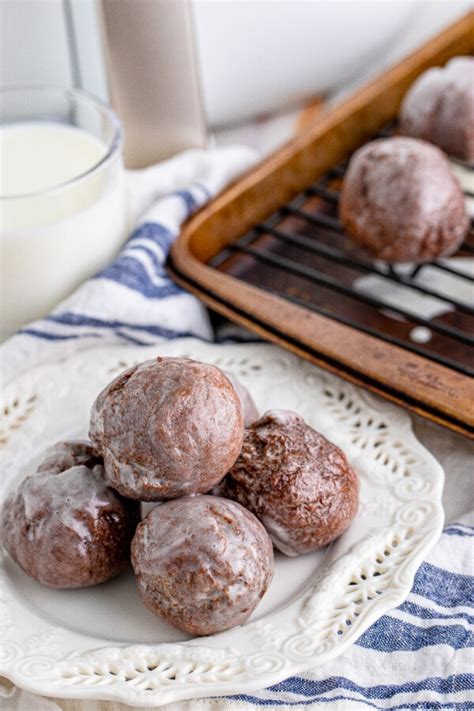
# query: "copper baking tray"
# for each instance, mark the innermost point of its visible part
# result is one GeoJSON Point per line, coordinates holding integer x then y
{"type": "Point", "coordinates": [270, 254]}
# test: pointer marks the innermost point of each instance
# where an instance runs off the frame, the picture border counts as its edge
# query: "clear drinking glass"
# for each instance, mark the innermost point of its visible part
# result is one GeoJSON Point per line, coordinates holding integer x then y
{"type": "Point", "coordinates": [53, 237]}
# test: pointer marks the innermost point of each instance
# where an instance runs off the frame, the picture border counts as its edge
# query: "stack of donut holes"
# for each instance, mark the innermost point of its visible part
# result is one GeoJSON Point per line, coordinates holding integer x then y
{"type": "Point", "coordinates": [228, 484]}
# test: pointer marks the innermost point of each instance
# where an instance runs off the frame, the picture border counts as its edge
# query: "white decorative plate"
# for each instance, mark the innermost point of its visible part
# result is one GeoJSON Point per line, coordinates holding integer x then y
{"type": "Point", "coordinates": [102, 643]}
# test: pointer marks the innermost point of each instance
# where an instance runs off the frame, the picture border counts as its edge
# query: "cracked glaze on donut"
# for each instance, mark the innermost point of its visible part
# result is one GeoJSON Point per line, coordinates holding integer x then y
{"type": "Point", "coordinates": [295, 481]}
{"type": "Point", "coordinates": [202, 563]}
{"type": "Point", "coordinates": [168, 427]}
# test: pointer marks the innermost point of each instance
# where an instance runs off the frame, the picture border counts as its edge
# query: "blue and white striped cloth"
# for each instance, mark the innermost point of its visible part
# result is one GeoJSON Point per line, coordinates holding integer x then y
{"type": "Point", "coordinates": [421, 655]}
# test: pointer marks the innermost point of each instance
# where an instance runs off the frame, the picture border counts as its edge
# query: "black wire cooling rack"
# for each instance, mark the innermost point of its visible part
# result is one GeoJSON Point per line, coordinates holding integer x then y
{"type": "Point", "coordinates": [301, 253]}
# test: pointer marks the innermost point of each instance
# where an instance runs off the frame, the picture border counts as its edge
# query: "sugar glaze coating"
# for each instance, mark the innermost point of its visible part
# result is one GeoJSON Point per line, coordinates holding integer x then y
{"type": "Point", "coordinates": [401, 201]}
{"type": "Point", "coordinates": [202, 563]}
{"type": "Point", "coordinates": [295, 481]}
{"type": "Point", "coordinates": [69, 453]}
{"type": "Point", "coordinates": [168, 427]}
{"type": "Point", "coordinates": [439, 107]}
{"type": "Point", "coordinates": [64, 526]}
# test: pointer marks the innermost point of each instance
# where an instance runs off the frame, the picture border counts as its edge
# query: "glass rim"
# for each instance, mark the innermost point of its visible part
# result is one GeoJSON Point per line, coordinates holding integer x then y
{"type": "Point", "coordinates": [113, 145]}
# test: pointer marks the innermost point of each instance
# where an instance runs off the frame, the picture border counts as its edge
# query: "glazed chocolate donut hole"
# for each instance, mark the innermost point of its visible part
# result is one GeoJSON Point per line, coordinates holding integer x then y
{"type": "Point", "coordinates": [439, 108]}
{"type": "Point", "coordinates": [401, 201]}
{"type": "Point", "coordinates": [64, 526]}
{"type": "Point", "coordinates": [202, 563]}
{"type": "Point", "coordinates": [166, 428]}
{"type": "Point", "coordinates": [297, 483]}
{"type": "Point", "coordinates": [67, 454]}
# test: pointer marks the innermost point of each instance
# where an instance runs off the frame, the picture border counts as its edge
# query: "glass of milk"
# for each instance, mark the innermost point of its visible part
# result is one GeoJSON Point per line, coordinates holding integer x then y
{"type": "Point", "coordinates": [62, 197]}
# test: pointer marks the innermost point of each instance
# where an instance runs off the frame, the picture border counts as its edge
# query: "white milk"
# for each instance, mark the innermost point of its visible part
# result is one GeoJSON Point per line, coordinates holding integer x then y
{"type": "Point", "coordinates": [58, 225]}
